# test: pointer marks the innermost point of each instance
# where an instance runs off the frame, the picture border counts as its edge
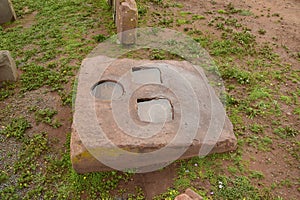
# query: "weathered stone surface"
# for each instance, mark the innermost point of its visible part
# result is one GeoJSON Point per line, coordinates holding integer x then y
{"type": "Point", "coordinates": [183, 197]}
{"type": "Point", "coordinates": [191, 193]}
{"type": "Point", "coordinates": [8, 71]}
{"type": "Point", "coordinates": [7, 12]}
{"type": "Point", "coordinates": [82, 160]}
{"type": "Point", "coordinates": [126, 20]}
{"type": "Point", "coordinates": [92, 111]}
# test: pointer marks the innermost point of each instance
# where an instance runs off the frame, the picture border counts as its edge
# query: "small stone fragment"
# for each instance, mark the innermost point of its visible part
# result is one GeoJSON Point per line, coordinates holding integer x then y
{"type": "Point", "coordinates": [191, 193]}
{"type": "Point", "coordinates": [8, 71]}
{"type": "Point", "coordinates": [183, 197]}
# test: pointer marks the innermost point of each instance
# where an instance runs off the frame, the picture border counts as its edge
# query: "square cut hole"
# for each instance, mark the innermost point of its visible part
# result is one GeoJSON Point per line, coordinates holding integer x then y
{"type": "Point", "coordinates": [146, 75]}
{"type": "Point", "coordinates": [157, 110]}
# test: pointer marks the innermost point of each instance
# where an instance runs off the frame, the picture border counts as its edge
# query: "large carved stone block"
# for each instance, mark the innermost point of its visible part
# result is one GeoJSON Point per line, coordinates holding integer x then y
{"type": "Point", "coordinates": [140, 114]}
{"type": "Point", "coordinates": [7, 12]}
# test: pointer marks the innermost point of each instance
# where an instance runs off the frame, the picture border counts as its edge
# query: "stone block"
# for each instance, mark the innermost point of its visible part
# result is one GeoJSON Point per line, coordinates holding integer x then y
{"type": "Point", "coordinates": [8, 71]}
{"type": "Point", "coordinates": [126, 21]}
{"type": "Point", "coordinates": [7, 12]}
{"type": "Point", "coordinates": [191, 193]}
{"type": "Point", "coordinates": [116, 114]}
{"type": "Point", "coordinates": [183, 197]}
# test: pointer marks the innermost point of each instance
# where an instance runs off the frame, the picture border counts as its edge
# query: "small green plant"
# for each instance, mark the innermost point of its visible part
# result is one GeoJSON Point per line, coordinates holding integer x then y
{"type": "Point", "coordinates": [182, 21]}
{"type": "Point", "coordinates": [262, 31]}
{"type": "Point", "coordinates": [6, 90]}
{"type": "Point", "coordinates": [100, 38]}
{"type": "Point", "coordinates": [297, 112]}
{"type": "Point", "coordinates": [45, 116]}
{"type": "Point", "coordinates": [259, 93]}
{"type": "Point", "coordinates": [288, 100]}
{"type": "Point", "coordinates": [235, 188]}
{"type": "Point", "coordinates": [3, 177]}
{"type": "Point", "coordinates": [245, 12]}
{"type": "Point", "coordinates": [16, 128]}
{"type": "Point", "coordinates": [256, 175]}
{"type": "Point", "coordinates": [256, 128]}
{"type": "Point", "coordinates": [169, 195]}
{"type": "Point", "coordinates": [198, 17]}
{"type": "Point", "coordinates": [182, 183]}
{"type": "Point", "coordinates": [157, 54]}
{"type": "Point", "coordinates": [286, 132]}
{"type": "Point", "coordinates": [157, 1]}
{"type": "Point", "coordinates": [184, 13]}
{"type": "Point", "coordinates": [142, 10]}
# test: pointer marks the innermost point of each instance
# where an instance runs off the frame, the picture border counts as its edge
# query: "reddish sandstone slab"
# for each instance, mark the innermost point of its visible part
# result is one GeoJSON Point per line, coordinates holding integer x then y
{"type": "Point", "coordinates": [159, 111]}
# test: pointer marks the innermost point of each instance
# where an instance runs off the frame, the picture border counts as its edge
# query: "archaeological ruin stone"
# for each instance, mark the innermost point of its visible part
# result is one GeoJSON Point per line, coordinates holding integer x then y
{"type": "Point", "coordinates": [126, 20]}
{"type": "Point", "coordinates": [8, 71]}
{"type": "Point", "coordinates": [7, 13]}
{"type": "Point", "coordinates": [138, 114]}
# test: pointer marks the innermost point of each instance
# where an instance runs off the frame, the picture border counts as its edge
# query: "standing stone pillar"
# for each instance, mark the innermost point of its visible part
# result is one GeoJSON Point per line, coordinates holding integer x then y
{"type": "Point", "coordinates": [8, 71]}
{"type": "Point", "coordinates": [126, 21]}
{"type": "Point", "coordinates": [110, 2]}
{"type": "Point", "coordinates": [7, 13]}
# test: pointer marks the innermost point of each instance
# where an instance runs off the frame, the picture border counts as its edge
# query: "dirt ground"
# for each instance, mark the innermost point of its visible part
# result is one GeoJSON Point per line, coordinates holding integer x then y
{"type": "Point", "coordinates": [276, 165]}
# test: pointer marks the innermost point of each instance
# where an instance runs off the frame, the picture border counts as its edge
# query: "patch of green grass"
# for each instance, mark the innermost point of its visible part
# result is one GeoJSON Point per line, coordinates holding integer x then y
{"type": "Point", "coordinates": [245, 13]}
{"type": "Point", "coordinates": [185, 13]}
{"type": "Point", "coordinates": [3, 177]}
{"type": "Point", "coordinates": [169, 195]}
{"type": "Point", "coordinates": [259, 93]}
{"type": "Point", "coordinates": [256, 128]}
{"type": "Point", "coordinates": [235, 188]}
{"type": "Point", "coordinates": [176, 5]}
{"type": "Point", "coordinates": [97, 185]}
{"type": "Point", "coordinates": [36, 76]}
{"type": "Point", "coordinates": [297, 112]}
{"type": "Point", "coordinates": [100, 38]}
{"type": "Point", "coordinates": [6, 90]}
{"type": "Point", "coordinates": [139, 194]}
{"type": "Point", "coordinates": [182, 22]}
{"type": "Point", "coordinates": [142, 10]}
{"type": "Point", "coordinates": [45, 116]}
{"type": "Point", "coordinates": [166, 22]}
{"type": "Point", "coordinates": [233, 72]}
{"type": "Point", "coordinates": [286, 132]}
{"type": "Point", "coordinates": [288, 100]}
{"type": "Point", "coordinates": [182, 183]}
{"type": "Point", "coordinates": [157, 54]}
{"type": "Point", "coordinates": [198, 17]}
{"type": "Point", "coordinates": [262, 31]}
{"type": "Point", "coordinates": [260, 143]}
{"type": "Point", "coordinates": [232, 169]}
{"type": "Point", "coordinates": [16, 128]}
{"type": "Point", "coordinates": [225, 48]}
{"type": "Point", "coordinates": [157, 1]}
{"type": "Point", "coordinates": [256, 175]}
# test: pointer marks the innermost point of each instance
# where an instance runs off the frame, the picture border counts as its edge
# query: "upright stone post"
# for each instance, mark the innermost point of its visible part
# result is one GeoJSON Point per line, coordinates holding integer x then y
{"type": "Point", "coordinates": [7, 13]}
{"type": "Point", "coordinates": [8, 71]}
{"type": "Point", "coordinates": [110, 2]}
{"type": "Point", "coordinates": [126, 21]}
